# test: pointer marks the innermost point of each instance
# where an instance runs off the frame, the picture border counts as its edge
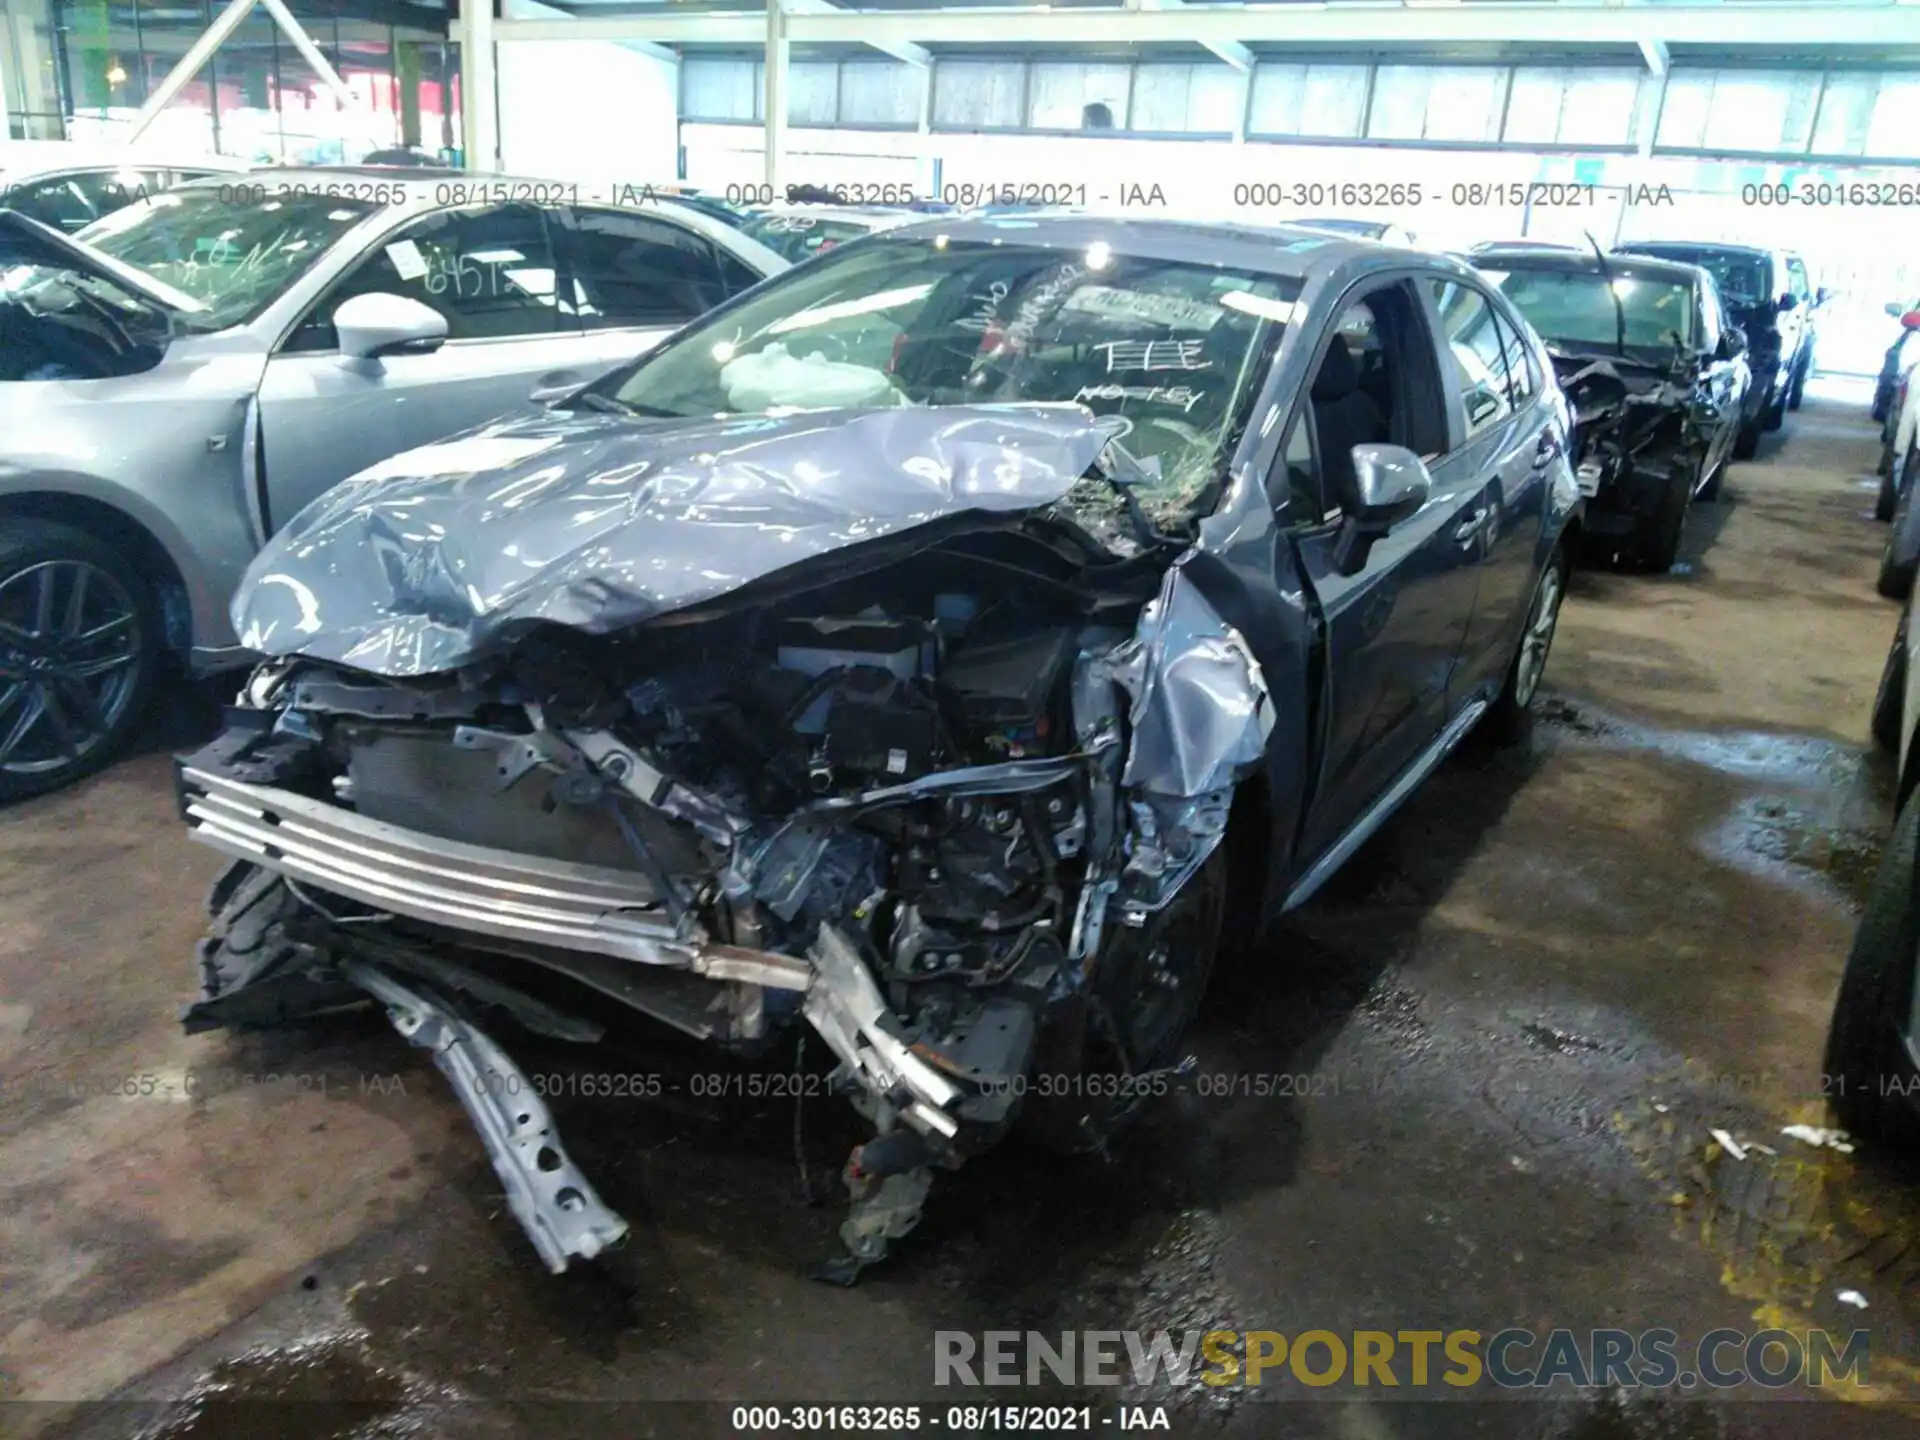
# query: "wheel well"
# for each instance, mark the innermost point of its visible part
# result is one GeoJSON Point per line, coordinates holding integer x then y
{"type": "Point", "coordinates": [127, 536]}
{"type": "Point", "coordinates": [1248, 841]}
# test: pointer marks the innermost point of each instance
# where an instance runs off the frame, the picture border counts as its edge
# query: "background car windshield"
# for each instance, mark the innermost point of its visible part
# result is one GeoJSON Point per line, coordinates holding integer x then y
{"type": "Point", "coordinates": [1573, 310]}
{"type": "Point", "coordinates": [800, 237]}
{"type": "Point", "coordinates": [1742, 277]}
{"type": "Point", "coordinates": [234, 256]}
{"type": "Point", "coordinates": [1173, 352]}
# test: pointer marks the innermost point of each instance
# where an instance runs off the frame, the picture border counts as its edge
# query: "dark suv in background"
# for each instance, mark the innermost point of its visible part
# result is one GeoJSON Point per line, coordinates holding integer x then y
{"type": "Point", "coordinates": [1767, 294]}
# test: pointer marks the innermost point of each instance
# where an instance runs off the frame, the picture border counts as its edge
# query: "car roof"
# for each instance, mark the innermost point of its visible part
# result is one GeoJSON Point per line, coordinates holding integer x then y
{"type": "Point", "coordinates": [873, 217]}
{"type": "Point", "coordinates": [1540, 257]}
{"type": "Point", "coordinates": [423, 186]}
{"type": "Point", "coordinates": [43, 163]}
{"type": "Point", "coordinates": [1704, 247]}
{"type": "Point", "coordinates": [1290, 251]}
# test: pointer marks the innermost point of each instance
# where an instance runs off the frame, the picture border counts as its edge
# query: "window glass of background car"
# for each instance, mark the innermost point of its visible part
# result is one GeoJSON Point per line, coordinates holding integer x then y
{"type": "Point", "coordinates": [1797, 283]}
{"type": "Point", "coordinates": [1712, 322]}
{"type": "Point", "coordinates": [628, 269]}
{"type": "Point", "coordinates": [490, 272]}
{"type": "Point", "coordinates": [1473, 341]}
{"type": "Point", "coordinates": [1523, 381]}
{"type": "Point", "coordinates": [734, 274]}
{"type": "Point", "coordinates": [801, 237]}
{"type": "Point", "coordinates": [69, 202]}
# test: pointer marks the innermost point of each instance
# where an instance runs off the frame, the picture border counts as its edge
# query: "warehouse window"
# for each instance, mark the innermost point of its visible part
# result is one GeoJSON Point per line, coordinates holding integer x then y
{"type": "Point", "coordinates": [1437, 102]}
{"type": "Point", "coordinates": [720, 89]}
{"type": "Point", "coordinates": [813, 93]}
{"type": "Point", "coordinates": [1846, 113]}
{"type": "Point", "coordinates": [1739, 111]}
{"type": "Point", "coordinates": [1565, 106]}
{"type": "Point", "coordinates": [977, 95]}
{"type": "Point", "coordinates": [879, 93]}
{"type": "Point", "coordinates": [1059, 94]}
{"type": "Point", "coordinates": [1895, 127]}
{"type": "Point", "coordinates": [1203, 98]}
{"type": "Point", "coordinates": [1311, 101]}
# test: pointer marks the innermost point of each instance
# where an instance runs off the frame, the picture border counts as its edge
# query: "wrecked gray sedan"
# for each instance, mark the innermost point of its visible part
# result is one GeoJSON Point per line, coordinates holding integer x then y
{"type": "Point", "coordinates": [938, 647]}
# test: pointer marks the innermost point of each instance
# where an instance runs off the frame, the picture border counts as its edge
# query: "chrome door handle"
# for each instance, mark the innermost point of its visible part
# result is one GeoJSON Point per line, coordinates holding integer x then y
{"type": "Point", "coordinates": [1470, 527]}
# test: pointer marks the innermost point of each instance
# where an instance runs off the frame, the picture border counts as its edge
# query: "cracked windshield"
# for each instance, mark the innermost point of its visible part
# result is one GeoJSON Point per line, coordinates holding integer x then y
{"type": "Point", "coordinates": [1169, 354]}
{"type": "Point", "coordinates": [1582, 311]}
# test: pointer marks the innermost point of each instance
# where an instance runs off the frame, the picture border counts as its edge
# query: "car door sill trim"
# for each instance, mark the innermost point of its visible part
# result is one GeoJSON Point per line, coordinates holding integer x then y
{"type": "Point", "coordinates": [1410, 779]}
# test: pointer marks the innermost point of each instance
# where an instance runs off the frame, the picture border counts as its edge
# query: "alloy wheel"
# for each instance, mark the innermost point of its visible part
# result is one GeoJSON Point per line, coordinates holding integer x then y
{"type": "Point", "coordinates": [70, 648]}
{"type": "Point", "coordinates": [1538, 639]}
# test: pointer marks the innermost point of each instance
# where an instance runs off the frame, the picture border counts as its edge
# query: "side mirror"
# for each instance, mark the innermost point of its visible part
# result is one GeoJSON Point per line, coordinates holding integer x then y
{"type": "Point", "coordinates": [370, 326]}
{"type": "Point", "coordinates": [1733, 342]}
{"type": "Point", "coordinates": [1910, 320]}
{"type": "Point", "coordinates": [1390, 484]}
{"type": "Point", "coordinates": [1787, 302]}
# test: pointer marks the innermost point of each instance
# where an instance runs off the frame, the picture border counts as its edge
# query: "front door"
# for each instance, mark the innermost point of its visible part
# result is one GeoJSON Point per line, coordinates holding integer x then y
{"type": "Point", "coordinates": [1394, 629]}
{"type": "Point", "coordinates": [490, 271]}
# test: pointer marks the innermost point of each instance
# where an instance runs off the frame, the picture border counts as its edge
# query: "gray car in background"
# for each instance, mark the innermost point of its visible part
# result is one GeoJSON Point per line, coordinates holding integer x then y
{"type": "Point", "coordinates": [180, 378]}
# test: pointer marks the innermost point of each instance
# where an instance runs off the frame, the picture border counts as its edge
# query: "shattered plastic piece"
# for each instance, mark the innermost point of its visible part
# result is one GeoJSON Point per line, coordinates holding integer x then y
{"type": "Point", "coordinates": [1853, 1298]}
{"type": "Point", "coordinates": [1819, 1135]}
{"type": "Point", "coordinates": [1727, 1143]}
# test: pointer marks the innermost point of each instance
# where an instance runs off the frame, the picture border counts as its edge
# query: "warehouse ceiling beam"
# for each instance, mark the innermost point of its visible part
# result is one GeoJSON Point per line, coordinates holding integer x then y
{"type": "Point", "coordinates": [902, 50]}
{"type": "Point", "coordinates": [1656, 56]}
{"type": "Point", "coordinates": [1729, 26]}
{"type": "Point", "coordinates": [1232, 52]}
{"type": "Point", "coordinates": [216, 35]}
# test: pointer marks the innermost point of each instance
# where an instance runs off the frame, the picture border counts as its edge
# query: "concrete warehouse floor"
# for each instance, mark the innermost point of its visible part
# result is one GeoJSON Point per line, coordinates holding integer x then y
{"type": "Point", "coordinates": [1526, 1002]}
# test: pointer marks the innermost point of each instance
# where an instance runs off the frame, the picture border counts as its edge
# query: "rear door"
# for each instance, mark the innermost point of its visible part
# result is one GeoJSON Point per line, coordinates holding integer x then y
{"type": "Point", "coordinates": [490, 270]}
{"type": "Point", "coordinates": [1394, 630]}
{"type": "Point", "coordinates": [1507, 444]}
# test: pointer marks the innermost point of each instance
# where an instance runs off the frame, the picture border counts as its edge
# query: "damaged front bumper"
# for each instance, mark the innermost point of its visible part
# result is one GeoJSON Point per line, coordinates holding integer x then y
{"type": "Point", "coordinates": [481, 891]}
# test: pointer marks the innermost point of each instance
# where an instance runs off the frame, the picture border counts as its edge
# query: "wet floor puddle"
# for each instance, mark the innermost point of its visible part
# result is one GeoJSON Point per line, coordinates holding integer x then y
{"type": "Point", "coordinates": [1818, 812]}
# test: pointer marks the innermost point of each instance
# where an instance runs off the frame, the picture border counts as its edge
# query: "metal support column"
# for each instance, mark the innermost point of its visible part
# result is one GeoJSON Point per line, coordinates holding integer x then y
{"type": "Point", "coordinates": [479, 98]}
{"type": "Point", "coordinates": [775, 98]}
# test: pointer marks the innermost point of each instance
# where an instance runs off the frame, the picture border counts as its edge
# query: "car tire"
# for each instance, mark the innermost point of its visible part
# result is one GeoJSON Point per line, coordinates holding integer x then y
{"type": "Point", "coordinates": [1896, 579]}
{"type": "Point", "coordinates": [1746, 440]}
{"type": "Point", "coordinates": [1887, 500]}
{"type": "Point", "coordinates": [255, 969]}
{"type": "Point", "coordinates": [1511, 717]}
{"type": "Point", "coordinates": [1097, 1038]}
{"type": "Point", "coordinates": [1660, 543]}
{"type": "Point", "coordinates": [1890, 695]}
{"type": "Point", "coordinates": [1863, 1048]}
{"type": "Point", "coordinates": [81, 655]}
{"type": "Point", "coordinates": [1774, 413]}
{"type": "Point", "coordinates": [1797, 391]}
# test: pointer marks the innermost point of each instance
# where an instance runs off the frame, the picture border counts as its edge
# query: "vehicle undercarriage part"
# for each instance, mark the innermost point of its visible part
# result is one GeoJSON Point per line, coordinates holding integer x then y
{"type": "Point", "coordinates": [906, 803]}
{"type": "Point", "coordinates": [554, 1203]}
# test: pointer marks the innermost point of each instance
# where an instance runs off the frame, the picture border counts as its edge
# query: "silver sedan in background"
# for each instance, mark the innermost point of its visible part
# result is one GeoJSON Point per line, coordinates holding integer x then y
{"type": "Point", "coordinates": [181, 377]}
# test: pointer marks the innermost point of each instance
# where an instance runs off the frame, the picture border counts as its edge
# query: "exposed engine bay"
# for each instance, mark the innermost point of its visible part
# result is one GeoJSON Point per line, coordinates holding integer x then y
{"type": "Point", "coordinates": [949, 811]}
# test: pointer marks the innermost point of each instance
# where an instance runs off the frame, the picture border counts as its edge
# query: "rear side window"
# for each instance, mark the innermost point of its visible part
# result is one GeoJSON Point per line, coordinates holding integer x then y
{"type": "Point", "coordinates": [1477, 351]}
{"type": "Point", "coordinates": [630, 269]}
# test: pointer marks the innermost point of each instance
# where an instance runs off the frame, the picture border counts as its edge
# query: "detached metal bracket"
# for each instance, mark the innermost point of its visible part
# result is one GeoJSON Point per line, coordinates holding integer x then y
{"type": "Point", "coordinates": [551, 1199]}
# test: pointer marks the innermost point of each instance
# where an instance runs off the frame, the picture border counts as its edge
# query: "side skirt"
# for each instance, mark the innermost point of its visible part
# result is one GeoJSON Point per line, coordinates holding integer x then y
{"type": "Point", "coordinates": [1423, 765]}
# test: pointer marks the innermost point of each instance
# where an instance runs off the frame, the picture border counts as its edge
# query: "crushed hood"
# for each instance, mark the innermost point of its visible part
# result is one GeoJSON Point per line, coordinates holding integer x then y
{"type": "Point", "coordinates": [433, 558]}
